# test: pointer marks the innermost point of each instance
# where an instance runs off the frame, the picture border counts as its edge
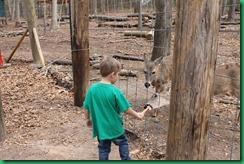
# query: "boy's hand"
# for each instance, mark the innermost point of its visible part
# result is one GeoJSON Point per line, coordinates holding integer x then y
{"type": "Point", "coordinates": [142, 114]}
{"type": "Point", "coordinates": [89, 123]}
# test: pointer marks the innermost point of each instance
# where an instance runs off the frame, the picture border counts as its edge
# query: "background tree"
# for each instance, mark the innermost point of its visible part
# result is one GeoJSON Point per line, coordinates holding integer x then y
{"type": "Point", "coordinates": [54, 15]}
{"type": "Point", "coordinates": [13, 9]}
{"type": "Point", "coordinates": [162, 42]}
{"type": "Point", "coordinates": [102, 6]}
{"type": "Point", "coordinates": [223, 7]}
{"type": "Point", "coordinates": [17, 13]}
{"type": "Point", "coordinates": [136, 5]}
{"type": "Point", "coordinates": [7, 8]}
{"type": "Point", "coordinates": [140, 14]}
{"type": "Point", "coordinates": [231, 12]}
{"type": "Point", "coordinates": [93, 7]}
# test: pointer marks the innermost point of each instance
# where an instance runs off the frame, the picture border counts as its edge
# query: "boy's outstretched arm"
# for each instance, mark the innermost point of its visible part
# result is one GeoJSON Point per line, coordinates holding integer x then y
{"type": "Point", "coordinates": [139, 115]}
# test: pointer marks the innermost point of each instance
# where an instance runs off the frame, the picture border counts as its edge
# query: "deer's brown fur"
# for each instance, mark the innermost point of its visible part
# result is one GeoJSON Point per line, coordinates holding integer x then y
{"type": "Point", "coordinates": [158, 73]}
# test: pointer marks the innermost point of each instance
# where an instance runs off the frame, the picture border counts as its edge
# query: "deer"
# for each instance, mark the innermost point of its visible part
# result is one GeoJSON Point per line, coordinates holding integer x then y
{"type": "Point", "coordinates": [158, 74]}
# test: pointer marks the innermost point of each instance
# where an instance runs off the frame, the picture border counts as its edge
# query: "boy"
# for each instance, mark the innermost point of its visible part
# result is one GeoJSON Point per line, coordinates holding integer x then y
{"type": "Point", "coordinates": [103, 103]}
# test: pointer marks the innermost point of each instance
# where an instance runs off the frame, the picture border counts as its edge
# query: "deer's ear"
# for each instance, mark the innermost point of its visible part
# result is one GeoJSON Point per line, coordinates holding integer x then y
{"type": "Point", "coordinates": [146, 60]}
{"type": "Point", "coordinates": [158, 60]}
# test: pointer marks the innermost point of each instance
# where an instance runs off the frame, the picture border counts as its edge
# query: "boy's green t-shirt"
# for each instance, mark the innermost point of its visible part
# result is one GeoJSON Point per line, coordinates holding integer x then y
{"type": "Point", "coordinates": [105, 102]}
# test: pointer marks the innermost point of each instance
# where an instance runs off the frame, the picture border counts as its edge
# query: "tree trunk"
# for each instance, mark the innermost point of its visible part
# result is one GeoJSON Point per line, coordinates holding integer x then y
{"type": "Point", "coordinates": [13, 10]}
{"type": "Point", "coordinates": [140, 15]}
{"type": "Point", "coordinates": [136, 6]}
{"type": "Point", "coordinates": [93, 7]}
{"type": "Point", "coordinates": [231, 13]}
{"type": "Point", "coordinates": [8, 8]}
{"type": "Point", "coordinates": [223, 7]}
{"type": "Point", "coordinates": [40, 10]}
{"type": "Point", "coordinates": [31, 20]}
{"type": "Point", "coordinates": [44, 16]}
{"type": "Point", "coordinates": [2, 123]}
{"type": "Point", "coordinates": [17, 13]}
{"type": "Point", "coordinates": [103, 6]}
{"type": "Point", "coordinates": [195, 53]}
{"type": "Point", "coordinates": [80, 50]}
{"type": "Point", "coordinates": [22, 10]}
{"type": "Point", "coordinates": [131, 6]}
{"type": "Point", "coordinates": [54, 15]}
{"type": "Point", "coordinates": [162, 42]}
{"type": "Point", "coordinates": [66, 7]}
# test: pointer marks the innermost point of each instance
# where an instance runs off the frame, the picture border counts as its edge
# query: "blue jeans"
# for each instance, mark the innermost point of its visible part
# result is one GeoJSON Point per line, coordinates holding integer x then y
{"type": "Point", "coordinates": [104, 147]}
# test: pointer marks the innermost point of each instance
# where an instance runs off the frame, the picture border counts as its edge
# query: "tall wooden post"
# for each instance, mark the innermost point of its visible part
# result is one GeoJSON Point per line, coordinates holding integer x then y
{"type": "Point", "coordinates": [54, 15]}
{"type": "Point", "coordinates": [2, 123]}
{"type": "Point", "coordinates": [80, 49]}
{"type": "Point", "coordinates": [195, 52]}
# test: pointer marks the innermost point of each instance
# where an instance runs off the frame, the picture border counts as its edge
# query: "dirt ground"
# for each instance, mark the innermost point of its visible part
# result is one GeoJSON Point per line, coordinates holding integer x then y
{"type": "Point", "coordinates": [42, 122]}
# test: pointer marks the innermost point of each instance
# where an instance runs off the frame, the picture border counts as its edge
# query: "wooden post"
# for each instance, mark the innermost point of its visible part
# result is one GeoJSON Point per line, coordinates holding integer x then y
{"type": "Point", "coordinates": [80, 49]}
{"type": "Point", "coordinates": [195, 53]}
{"type": "Point", "coordinates": [38, 46]}
{"type": "Point", "coordinates": [2, 123]}
{"type": "Point", "coordinates": [54, 15]}
{"type": "Point", "coordinates": [31, 20]}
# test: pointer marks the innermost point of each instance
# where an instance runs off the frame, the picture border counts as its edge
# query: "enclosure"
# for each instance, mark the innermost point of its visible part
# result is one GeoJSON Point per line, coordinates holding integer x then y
{"type": "Point", "coordinates": [38, 100]}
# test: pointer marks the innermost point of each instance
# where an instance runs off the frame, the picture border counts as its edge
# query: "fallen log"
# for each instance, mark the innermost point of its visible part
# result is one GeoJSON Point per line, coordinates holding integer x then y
{"type": "Point", "coordinates": [230, 23]}
{"type": "Point", "coordinates": [125, 53]}
{"type": "Point", "coordinates": [126, 57]}
{"type": "Point", "coordinates": [136, 33]}
{"type": "Point", "coordinates": [65, 16]}
{"type": "Point", "coordinates": [125, 25]}
{"type": "Point", "coordinates": [12, 34]}
{"type": "Point", "coordinates": [108, 18]}
{"type": "Point", "coordinates": [130, 73]}
{"type": "Point", "coordinates": [150, 35]}
{"type": "Point", "coordinates": [62, 62]}
{"type": "Point", "coordinates": [145, 34]}
{"type": "Point", "coordinates": [5, 65]}
{"type": "Point", "coordinates": [229, 102]}
{"type": "Point", "coordinates": [143, 15]}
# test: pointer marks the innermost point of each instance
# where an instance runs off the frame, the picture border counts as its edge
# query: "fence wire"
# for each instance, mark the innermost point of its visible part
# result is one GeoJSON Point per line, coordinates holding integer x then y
{"type": "Point", "coordinates": [107, 37]}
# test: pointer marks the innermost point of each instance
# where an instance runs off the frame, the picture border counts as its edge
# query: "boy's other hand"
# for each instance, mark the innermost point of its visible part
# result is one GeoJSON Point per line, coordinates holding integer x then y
{"type": "Point", "coordinates": [89, 123]}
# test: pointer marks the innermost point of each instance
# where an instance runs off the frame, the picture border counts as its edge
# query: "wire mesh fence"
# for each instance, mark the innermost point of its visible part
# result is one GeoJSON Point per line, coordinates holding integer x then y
{"type": "Point", "coordinates": [116, 29]}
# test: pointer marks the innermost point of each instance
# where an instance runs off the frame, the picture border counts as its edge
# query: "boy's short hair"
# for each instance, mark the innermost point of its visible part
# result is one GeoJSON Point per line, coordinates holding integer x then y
{"type": "Point", "coordinates": [109, 65]}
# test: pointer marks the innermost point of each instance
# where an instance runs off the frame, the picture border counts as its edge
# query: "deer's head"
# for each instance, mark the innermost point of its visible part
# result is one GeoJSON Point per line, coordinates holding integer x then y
{"type": "Point", "coordinates": [150, 70]}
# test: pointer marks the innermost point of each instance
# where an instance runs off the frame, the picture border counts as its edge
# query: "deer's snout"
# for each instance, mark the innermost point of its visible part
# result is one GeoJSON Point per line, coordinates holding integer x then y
{"type": "Point", "coordinates": [147, 84]}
